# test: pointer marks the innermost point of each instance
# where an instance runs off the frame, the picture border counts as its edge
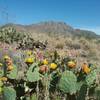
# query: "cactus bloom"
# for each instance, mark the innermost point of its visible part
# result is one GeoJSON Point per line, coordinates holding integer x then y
{"type": "Point", "coordinates": [6, 57]}
{"type": "Point", "coordinates": [3, 79]}
{"type": "Point", "coordinates": [45, 62]}
{"type": "Point", "coordinates": [71, 64]}
{"type": "Point", "coordinates": [10, 68]}
{"type": "Point", "coordinates": [29, 60]}
{"type": "Point", "coordinates": [9, 62]}
{"type": "Point", "coordinates": [53, 66]}
{"type": "Point", "coordinates": [85, 68]}
{"type": "Point", "coordinates": [43, 69]}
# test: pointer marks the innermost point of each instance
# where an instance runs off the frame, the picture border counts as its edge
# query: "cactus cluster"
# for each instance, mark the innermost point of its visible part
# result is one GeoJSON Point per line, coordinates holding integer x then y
{"type": "Point", "coordinates": [9, 35]}
{"type": "Point", "coordinates": [46, 76]}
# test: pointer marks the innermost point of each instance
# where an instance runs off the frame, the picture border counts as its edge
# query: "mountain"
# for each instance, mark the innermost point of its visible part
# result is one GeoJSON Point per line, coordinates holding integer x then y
{"type": "Point", "coordinates": [51, 27]}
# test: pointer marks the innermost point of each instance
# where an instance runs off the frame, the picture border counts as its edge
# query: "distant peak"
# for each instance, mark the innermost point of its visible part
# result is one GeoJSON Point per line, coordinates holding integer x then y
{"type": "Point", "coordinates": [53, 22]}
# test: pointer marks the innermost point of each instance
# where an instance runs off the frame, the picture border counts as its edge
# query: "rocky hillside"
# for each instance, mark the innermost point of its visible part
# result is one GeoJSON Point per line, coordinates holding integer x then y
{"type": "Point", "coordinates": [52, 27]}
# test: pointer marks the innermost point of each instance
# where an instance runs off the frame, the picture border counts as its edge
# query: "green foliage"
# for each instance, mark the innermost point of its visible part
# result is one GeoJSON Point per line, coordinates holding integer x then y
{"type": "Point", "coordinates": [1, 83]}
{"type": "Point", "coordinates": [1, 87]}
{"type": "Point", "coordinates": [68, 82]}
{"type": "Point", "coordinates": [90, 78]}
{"type": "Point", "coordinates": [1, 73]}
{"type": "Point", "coordinates": [79, 85]}
{"type": "Point", "coordinates": [33, 73]}
{"type": "Point", "coordinates": [34, 97]}
{"type": "Point", "coordinates": [97, 93]}
{"type": "Point", "coordinates": [87, 34]}
{"type": "Point", "coordinates": [82, 92]}
{"type": "Point", "coordinates": [13, 74]}
{"type": "Point", "coordinates": [9, 35]}
{"type": "Point", "coordinates": [9, 93]}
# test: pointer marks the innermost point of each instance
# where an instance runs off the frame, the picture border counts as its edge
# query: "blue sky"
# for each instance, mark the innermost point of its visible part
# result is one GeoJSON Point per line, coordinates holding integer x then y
{"type": "Point", "coordinates": [84, 14]}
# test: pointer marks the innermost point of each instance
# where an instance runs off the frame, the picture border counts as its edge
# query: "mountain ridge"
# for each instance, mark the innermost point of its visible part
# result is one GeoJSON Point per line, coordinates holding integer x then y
{"type": "Point", "coordinates": [53, 27]}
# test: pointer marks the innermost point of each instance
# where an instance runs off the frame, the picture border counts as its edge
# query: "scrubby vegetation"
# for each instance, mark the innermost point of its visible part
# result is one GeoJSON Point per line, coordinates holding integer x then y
{"type": "Point", "coordinates": [47, 76]}
{"type": "Point", "coordinates": [49, 70]}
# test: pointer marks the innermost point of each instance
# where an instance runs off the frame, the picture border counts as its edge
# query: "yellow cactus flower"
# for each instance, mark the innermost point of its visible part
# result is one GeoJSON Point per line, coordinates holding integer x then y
{"type": "Point", "coordinates": [71, 64]}
{"type": "Point", "coordinates": [6, 57]}
{"type": "Point", "coordinates": [10, 68]}
{"type": "Point", "coordinates": [45, 62]}
{"type": "Point", "coordinates": [85, 68]}
{"type": "Point", "coordinates": [53, 66]}
{"type": "Point", "coordinates": [9, 62]}
{"type": "Point", "coordinates": [3, 78]}
{"type": "Point", "coordinates": [29, 60]}
{"type": "Point", "coordinates": [1, 64]}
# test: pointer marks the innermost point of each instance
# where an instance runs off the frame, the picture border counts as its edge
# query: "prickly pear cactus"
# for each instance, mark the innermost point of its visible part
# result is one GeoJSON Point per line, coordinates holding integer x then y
{"type": "Point", "coordinates": [97, 93]}
{"type": "Point", "coordinates": [34, 97]}
{"type": "Point", "coordinates": [82, 92]}
{"type": "Point", "coordinates": [1, 83]}
{"type": "Point", "coordinates": [79, 85]}
{"type": "Point", "coordinates": [1, 73]}
{"type": "Point", "coordinates": [13, 74]}
{"type": "Point", "coordinates": [9, 93]}
{"type": "Point", "coordinates": [68, 82]}
{"type": "Point", "coordinates": [1, 87]}
{"type": "Point", "coordinates": [90, 78]}
{"type": "Point", "coordinates": [33, 73]}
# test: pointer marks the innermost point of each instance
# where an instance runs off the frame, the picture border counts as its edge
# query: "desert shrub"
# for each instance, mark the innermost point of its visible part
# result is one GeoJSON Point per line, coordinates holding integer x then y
{"type": "Point", "coordinates": [73, 44]}
{"type": "Point", "coordinates": [93, 54]}
{"type": "Point", "coordinates": [85, 44]}
{"type": "Point", "coordinates": [59, 45]}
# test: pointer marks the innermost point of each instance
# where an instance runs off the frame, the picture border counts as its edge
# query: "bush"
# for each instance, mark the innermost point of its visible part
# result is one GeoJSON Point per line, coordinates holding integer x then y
{"type": "Point", "coordinates": [59, 46]}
